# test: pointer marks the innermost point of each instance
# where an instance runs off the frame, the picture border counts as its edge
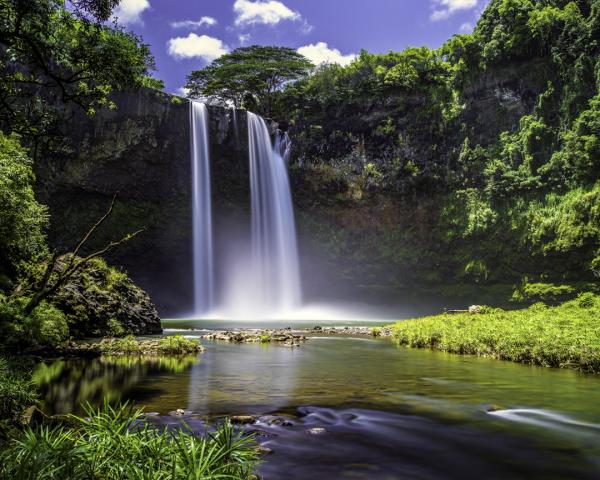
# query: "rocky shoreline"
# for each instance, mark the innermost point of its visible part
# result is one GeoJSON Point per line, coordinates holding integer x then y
{"type": "Point", "coordinates": [287, 337]}
{"type": "Point", "coordinates": [291, 337]}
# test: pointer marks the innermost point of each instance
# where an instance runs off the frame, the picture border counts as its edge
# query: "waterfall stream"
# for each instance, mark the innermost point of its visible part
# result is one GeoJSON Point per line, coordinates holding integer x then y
{"type": "Point", "coordinates": [202, 234]}
{"type": "Point", "coordinates": [275, 262]}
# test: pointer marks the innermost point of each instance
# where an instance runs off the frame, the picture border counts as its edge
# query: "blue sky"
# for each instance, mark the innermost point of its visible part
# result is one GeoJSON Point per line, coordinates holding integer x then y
{"type": "Point", "coordinates": [187, 34]}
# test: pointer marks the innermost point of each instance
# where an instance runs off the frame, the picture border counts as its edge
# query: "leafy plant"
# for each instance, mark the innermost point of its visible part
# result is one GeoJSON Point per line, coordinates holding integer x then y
{"type": "Point", "coordinates": [114, 442]}
{"type": "Point", "coordinates": [178, 344]}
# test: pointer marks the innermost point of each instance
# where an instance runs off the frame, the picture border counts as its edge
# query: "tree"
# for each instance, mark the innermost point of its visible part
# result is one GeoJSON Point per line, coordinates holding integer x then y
{"type": "Point", "coordinates": [249, 75]}
{"type": "Point", "coordinates": [22, 218]}
{"type": "Point", "coordinates": [50, 56]}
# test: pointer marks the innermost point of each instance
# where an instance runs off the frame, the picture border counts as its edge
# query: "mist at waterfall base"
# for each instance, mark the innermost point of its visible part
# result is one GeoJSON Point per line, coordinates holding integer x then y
{"type": "Point", "coordinates": [255, 276]}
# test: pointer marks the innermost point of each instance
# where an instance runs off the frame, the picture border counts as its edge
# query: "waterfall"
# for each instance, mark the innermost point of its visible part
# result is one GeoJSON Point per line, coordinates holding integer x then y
{"type": "Point", "coordinates": [201, 210]}
{"type": "Point", "coordinates": [275, 262]}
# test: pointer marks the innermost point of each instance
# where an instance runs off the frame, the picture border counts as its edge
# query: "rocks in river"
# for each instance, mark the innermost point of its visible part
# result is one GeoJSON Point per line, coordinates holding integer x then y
{"type": "Point", "coordinates": [180, 412]}
{"type": "Point", "coordinates": [242, 419]}
{"type": "Point", "coordinates": [284, 336]}
{"type": "Point", "coordinates": [276, 420]}
{"type": "Point", "coordinates": [262, 450]}
{"type": "Point", "coordinates": [493, 408]}
{"type": "Point", "coordinates": [353, 331]}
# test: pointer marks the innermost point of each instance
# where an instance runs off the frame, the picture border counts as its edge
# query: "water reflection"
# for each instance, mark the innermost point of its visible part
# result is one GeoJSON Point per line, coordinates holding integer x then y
{"type": "Point", "coordinates": [443, 404]}
{"type": "Point", "coordinates": [66, 385]}
{"type": "Point", "coordinates": [255, 378]}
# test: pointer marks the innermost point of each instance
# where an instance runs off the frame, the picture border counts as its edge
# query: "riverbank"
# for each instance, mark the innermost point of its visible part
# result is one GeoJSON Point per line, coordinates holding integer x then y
{"type": "Point", "coordinates": [566, 336]}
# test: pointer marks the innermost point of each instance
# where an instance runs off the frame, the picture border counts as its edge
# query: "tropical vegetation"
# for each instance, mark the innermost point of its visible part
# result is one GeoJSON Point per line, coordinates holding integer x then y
{"type": "Point", "coordinates": [564, 336]}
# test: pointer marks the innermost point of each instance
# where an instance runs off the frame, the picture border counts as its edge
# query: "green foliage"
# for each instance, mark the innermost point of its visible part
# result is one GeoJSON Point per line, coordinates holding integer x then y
{"type": "Point", "coordinates": [16, 394]}
{"type": "Point", "coordinates": [248, 76]}
{"type": "Point", "coordinates": [117, 443]}
{"type": "Point", "coordinates": [567, 336]}
{"type": "Point", "coordinates": [44, 326]}
{"type": "Point", "coordinates": [52, 55]}
{"type": "Point", "coordinates": [265, 338]}
{"type": "Point", "coordinates": [543, 292]}
{"type": "Point", "coordinates": [22, 218]}
{"type": "Point", "coordinates": [178, 344]}
{"type": "Point", "coordinates": [129, 345]}
{"type": "Point", "coordinates": [493, 140]}
{"type": "Point", "coordinates": [122, 346]}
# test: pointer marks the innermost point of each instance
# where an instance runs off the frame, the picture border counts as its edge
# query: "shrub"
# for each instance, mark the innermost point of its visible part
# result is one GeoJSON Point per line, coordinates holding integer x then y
{"type": "Point", "coordinates": [178, 344]}
{"type": "Point", "coordinates": [116, 443]}
{"type": "Point", "coordinates": [45, 326]}
{"type": "Point", "coordinates": [16, 393]}
{"type": "Point", "coordinates": [121, 346]}
{"type": "Point", "coordinates": [543, 292]}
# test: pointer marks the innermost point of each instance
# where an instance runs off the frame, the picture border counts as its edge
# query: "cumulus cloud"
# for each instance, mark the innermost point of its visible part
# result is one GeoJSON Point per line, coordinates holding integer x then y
{"type": "Point", "coordinates": [321, 53]}
{"type": "Point", "coordinates": [182, 92]}
{"type": "Point", "coordinates": [443, 9]}
{"type": "Point", "coordinates": [194, 24]}
{"type": "Point", "coordinates": [129, 12]}
{"type": "Point", "coordinates": [262, 12]}
{"type": "Point", "coordinates": [196, 46]}
{"type": "Point", "coordinates": [466, 27]}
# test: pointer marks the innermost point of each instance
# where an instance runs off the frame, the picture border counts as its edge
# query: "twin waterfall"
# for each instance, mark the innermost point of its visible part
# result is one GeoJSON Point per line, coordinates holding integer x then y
{"type": "Point", "coordinates": [274, 276]}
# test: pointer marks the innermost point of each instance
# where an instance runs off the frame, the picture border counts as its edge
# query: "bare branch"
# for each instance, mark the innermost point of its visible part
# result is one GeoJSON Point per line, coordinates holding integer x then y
{"type": "Point", "coordinates": [92, 230]}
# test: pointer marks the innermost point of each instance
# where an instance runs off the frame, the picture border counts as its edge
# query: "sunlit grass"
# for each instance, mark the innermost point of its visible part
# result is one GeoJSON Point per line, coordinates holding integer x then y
{"type": "Point", "coordinates": [567, 336]}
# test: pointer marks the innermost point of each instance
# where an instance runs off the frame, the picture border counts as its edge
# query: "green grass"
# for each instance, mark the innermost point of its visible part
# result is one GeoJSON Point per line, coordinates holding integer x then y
{"type": "Point", "coordinates": [172, 345]}
{"type": "Point", "coordinates": [114, 443]}
{"type": "Point", "coordinates": [566, 336]}
{"type": "Point", "coordinates": [178, 344]}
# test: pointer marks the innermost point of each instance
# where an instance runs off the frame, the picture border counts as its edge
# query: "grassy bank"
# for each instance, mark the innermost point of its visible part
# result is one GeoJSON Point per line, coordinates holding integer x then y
{"type": "Point", "coordinates": [566, 336]}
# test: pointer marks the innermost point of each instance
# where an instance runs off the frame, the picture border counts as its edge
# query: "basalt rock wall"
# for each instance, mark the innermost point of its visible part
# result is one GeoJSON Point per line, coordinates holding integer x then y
{"type": "Point", "coordinates": [140, 152]}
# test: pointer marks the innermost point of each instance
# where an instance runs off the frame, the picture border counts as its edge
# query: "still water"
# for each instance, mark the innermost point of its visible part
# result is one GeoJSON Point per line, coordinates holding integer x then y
{"type": "Point", "coordinates": [388, 412]}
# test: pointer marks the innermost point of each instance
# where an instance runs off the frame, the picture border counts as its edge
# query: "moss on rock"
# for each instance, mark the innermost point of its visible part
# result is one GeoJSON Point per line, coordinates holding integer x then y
{"type": "Point", "coordinates": [103, 301]}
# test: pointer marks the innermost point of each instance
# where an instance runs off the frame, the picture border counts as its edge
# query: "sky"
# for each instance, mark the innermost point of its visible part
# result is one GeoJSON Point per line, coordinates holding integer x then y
{"type": "Point", "coordinates": [186, 35]}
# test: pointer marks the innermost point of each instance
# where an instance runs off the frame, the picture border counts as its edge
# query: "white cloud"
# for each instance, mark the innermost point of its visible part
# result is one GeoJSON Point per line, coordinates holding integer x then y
{"type": "Point", "coordinates": [466, 27]}
{"type": "Point", "coordinates": [194, 24]}
{"type": "Point", "coordinates": [129, 12]}
{"type": "Point", "coordinates": [244, 38]}
{"type": "Point", "coordinates": [182, 92]}
{"type": "Point", "coordinates": [445, 8]}
{"type": "Point", "coordinates": [265, 12]}
{"type": "Point", "coordinates": [203, 46]}
{"type": "Point", "coordinates": [321, 53]}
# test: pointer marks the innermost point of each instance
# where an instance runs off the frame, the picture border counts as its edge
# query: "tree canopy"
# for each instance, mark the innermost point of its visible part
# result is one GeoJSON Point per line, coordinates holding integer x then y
{"type": "Point", "coordinates": [249, 76]}
{"type": "Point", "coordinates": [50, 56]}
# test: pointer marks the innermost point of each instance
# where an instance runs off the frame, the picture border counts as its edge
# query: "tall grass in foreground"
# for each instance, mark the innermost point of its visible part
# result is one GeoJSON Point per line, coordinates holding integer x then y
{"type": "Point", "coordinates": [566, 336]}
{"type": "Point", "coordinates": [114, 443]}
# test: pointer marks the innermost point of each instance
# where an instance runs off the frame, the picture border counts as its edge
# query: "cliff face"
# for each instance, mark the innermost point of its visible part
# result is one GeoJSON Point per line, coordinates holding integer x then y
{"type": "Point", "coordinates": [363, 222]}
{"type": "Point", "coordinates": [371, 187]}
{"type": "Point", "coordinates": [141, 152]}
